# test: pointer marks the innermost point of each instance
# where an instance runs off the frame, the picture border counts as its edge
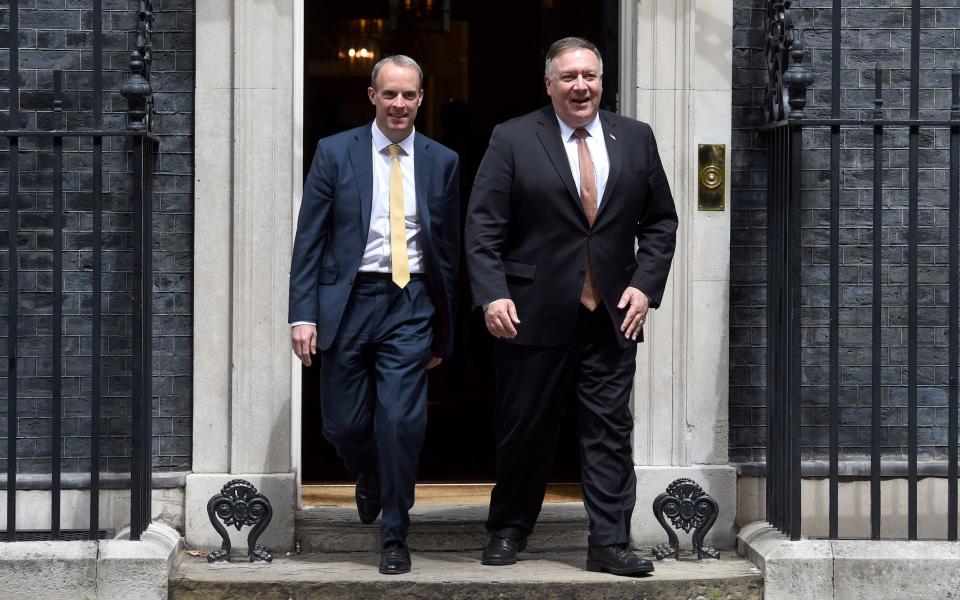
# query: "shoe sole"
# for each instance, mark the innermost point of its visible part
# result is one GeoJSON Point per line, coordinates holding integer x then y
{"type": "Point", "coordinates": [497, 562]}
{"type": "Point", "coordinates": [501, 562]}
{"type": "Point", "coordinates": [600, 567]}
{"type": "Point", "coordinates": [394, 571]}
{"type": "Point", "coordinates": [368, 521]}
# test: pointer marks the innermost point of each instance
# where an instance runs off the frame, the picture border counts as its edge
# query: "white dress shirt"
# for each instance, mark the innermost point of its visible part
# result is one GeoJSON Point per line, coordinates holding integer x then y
{"type": "Point", "coordinates": [376, 256]}
{"type": "Point", "coordinates": [598, 153]}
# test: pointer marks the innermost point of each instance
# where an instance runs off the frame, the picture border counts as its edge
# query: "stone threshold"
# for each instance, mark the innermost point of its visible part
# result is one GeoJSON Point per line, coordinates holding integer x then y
{"type": "Point", "coordinates": [850, 569]}
{"type": "Point", "coordinates": [459, 575]}
{"type": "Point", "coordinates": [329, 529]}
{"type": "Point", "coordinates": [432, 494]}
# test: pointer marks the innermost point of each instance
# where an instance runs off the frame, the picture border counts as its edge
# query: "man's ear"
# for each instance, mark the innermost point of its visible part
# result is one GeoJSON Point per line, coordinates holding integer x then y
{"type": "Point", "coordinates": [372, 94]}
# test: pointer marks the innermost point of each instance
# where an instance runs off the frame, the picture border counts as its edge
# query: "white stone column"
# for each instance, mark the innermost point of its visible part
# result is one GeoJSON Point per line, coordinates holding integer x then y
{"type": "Point", "coordinates": [683, 75]}
{"type": "Point", "coordinates": [244, 181]}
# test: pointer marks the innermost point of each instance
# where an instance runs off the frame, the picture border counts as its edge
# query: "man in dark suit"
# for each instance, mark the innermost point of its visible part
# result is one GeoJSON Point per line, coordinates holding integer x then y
{"type": "Point", "coordinates": [559, 201]}
{"type": "Point", "coordinates": [372, 288]}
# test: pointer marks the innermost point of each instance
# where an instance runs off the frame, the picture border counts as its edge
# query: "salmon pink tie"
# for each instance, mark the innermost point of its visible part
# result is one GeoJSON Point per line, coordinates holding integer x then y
{"type": "Point", "coordinates": [589, 295]}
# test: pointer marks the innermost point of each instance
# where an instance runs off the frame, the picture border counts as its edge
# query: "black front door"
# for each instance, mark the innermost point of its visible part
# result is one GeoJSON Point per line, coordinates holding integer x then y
{"type": "Point", "coordinates": [483, 64]}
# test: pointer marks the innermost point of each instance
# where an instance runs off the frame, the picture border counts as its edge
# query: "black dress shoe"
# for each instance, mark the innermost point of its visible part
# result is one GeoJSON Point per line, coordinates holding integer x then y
{"type": "Point", "coordinates": [368, 496]}
{"type": "Point", "coordinates": [395, 559]}
{"type": "Point", "coordinates": [502, 551]}
{"type": "Point", "coordinates": [617, 559]}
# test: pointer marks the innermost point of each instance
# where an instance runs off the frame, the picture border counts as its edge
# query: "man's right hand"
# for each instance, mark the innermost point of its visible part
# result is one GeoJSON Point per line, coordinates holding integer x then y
{"type": "Point", "coordinates": [303, 338]}
{"type": "Point", "coordinates": [501, 319]}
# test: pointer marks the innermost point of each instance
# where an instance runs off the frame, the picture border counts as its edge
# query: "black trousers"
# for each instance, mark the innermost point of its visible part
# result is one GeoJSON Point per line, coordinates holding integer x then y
{"type": "Point", "coordinates": [535, 384]}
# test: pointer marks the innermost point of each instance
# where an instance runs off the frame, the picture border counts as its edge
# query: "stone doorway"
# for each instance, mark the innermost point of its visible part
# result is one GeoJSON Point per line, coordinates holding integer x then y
{"type": "Point", "coordinates": [483, 64]}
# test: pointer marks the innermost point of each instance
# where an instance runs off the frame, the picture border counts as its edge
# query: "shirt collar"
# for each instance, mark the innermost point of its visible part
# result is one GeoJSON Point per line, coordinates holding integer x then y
{"type": "Point", "coordinates": [380, 141]}
{"type": "Point", "coordinates": [593, 128]}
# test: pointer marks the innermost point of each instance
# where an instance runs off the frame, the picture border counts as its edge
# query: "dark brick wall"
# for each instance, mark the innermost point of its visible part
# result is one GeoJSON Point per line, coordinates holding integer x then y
{"type": "Point", "coordinates": [59, 32]}
{"type": "Point", "coordinates": [875, 32]}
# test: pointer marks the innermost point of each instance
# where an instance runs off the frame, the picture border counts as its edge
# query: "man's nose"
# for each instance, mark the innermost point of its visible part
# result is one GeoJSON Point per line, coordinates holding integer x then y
{"type": "Point", "coordinates": [579, 82]}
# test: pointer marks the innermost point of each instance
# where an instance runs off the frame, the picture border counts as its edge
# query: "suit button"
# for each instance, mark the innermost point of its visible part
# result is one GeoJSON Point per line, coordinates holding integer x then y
{"type": "Point", "coordinates": [582, 273]}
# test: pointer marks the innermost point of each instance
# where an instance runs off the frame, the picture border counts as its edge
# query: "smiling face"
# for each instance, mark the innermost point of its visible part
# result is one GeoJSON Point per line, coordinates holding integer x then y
{"type": "Point", "coordinates": [575, 85]}
{"type": "Point", "coordinates": [397, 96]}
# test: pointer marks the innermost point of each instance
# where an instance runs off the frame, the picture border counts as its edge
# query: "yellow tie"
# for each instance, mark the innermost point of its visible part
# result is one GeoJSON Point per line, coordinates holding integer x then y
{"type": "Point", "coordinates": [398, 229]}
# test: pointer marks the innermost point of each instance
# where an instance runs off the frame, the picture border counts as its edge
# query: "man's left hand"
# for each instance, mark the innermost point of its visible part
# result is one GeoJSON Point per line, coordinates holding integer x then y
{"type": "Point", "coordinates": [636, 316]}
{"type": "Point", "coordinates": [434, 361]}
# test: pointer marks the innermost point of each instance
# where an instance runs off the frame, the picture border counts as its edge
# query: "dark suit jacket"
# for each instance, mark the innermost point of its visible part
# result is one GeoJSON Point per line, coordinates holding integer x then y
{"type": "Point", "coordinates": [335, 220]}
{"type": "Point", "coordinates": [527, 237]}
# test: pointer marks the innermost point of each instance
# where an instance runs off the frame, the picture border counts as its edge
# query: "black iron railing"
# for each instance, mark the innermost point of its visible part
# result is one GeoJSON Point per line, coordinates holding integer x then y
{"type": "Point", "coordinates": [142, 148]}
{"type": "Point", "coordinates": [786, 122]}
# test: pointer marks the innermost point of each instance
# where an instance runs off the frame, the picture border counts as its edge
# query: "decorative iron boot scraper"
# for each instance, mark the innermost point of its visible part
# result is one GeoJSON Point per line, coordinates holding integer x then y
{"type": "Point", "coordinates": [688, 507]}
{"type": "Point", "coordinates": [239, 504]}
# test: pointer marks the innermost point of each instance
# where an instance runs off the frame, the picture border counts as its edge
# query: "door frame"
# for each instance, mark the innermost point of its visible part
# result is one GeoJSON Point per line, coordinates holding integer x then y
{"type": "Point", "coordinates": [626, 105]}
{"type": "Point", "coordinates": [296, 375]}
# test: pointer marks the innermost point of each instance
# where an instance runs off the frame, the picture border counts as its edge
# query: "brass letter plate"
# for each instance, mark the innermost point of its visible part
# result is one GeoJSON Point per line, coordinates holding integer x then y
{"type": "Point", "coordinates": [711, 167]}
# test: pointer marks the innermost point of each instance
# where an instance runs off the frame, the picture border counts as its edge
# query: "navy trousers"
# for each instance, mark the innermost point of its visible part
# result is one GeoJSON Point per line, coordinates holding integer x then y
{"type": "Point", "coordinates": [373, 388]}
{"type": "Point", "coordinates": [535, 384]}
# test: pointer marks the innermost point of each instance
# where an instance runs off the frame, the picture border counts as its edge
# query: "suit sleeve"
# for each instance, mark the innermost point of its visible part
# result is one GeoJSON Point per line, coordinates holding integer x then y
{"type": "Point", "coordinates": [656, 232]}
{"type": "Point", "coordinates": [449, 248]}
{"type": "Point", "coordinates": [313, 230]}
{"type": "Point", "coordinates": [488, 217]}
{"type": "Point", "coordinates": [451, 218]}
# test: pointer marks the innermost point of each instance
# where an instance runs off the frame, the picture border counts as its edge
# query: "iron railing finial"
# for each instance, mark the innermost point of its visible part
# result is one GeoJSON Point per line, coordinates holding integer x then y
{"type": "Point", "coordinates": [797, 79]}
{"type": "Point", "coordinates": [137, 89]}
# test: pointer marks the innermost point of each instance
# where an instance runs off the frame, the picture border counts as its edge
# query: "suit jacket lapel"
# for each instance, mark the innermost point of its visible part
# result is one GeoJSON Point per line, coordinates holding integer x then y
{"type": "Point", "coordinates": [614, 156]}
{"type": "Point", "coordinates": [549, 134]}
{"type": "Point", "coordinates": [423, 169]}
{"type": "Point", "coordinates": [361, 157]}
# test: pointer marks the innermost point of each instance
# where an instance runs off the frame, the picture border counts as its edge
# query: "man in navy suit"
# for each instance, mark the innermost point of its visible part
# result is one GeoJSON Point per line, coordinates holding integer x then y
{"type": "Point", "coordinates": [570, 233]}
{"type": "Point", "coordinates": [372, 288]}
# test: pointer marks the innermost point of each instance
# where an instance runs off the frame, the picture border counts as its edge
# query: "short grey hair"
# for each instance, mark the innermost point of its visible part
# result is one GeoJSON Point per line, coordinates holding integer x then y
{"type": "Point", "coordinates": [401, 60]}
{"type": "Point", "coordinates": [569, 43]}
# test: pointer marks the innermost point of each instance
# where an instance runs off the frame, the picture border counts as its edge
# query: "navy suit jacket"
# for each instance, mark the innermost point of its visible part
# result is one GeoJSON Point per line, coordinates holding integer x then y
{"type": "Point", "coordinates": [528, 239]}
{"type": "Point", "coordinates": [334, 223]}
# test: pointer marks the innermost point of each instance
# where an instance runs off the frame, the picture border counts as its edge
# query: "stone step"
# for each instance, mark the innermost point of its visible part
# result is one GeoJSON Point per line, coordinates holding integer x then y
{"type": "Point", "coordinates": [561, 526]}
{"type": "Point", "coordinates": [460, 576]}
